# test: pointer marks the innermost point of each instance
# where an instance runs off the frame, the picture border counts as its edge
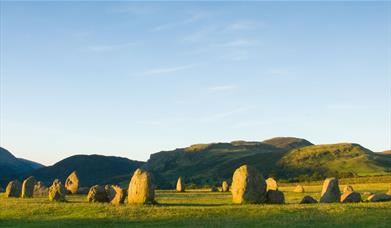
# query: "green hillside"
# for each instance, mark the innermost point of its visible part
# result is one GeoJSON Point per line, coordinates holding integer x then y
{"type": "Point", "coordinates": [344, 159]}
{"type": "Point", "coordinates": [207, 164]}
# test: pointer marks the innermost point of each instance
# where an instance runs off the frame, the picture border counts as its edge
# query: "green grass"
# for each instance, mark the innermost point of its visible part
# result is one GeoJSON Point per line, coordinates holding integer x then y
{"type": "Point", "coordinates": [198, 208]}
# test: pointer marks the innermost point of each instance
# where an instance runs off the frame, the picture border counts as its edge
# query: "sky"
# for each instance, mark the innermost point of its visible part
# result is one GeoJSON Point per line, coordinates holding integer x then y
{"type": "Point", "coordinates": [131, 78]}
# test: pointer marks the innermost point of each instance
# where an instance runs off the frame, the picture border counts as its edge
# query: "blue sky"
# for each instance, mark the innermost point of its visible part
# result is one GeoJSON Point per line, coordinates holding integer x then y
{"type": "Point", "coordinates": [130, 79]}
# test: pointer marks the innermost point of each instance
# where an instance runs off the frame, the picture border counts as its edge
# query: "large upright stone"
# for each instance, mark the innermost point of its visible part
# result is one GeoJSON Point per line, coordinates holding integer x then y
{"type": "Point", "coordinates": [14, 189]}
{"type": "Point", "coordinates": [299, 189]}
{"type": "Point", "coordinates": [28, 187]}
{"type": "Point", "coordinates": [57, 191]}
{"type": "Point", "coordinates": [72, 183]}
{"type": "Point", "coordinates": [275, 197]}
{"type": "Point", "coordinates": [141, 189]}
{"type": "Point", "coordinates": [351, 197]}
{"type": "Point", "coordinates": [40, 189]}
{"type": "Point", "coordinates": [330, 191]}
{"type": "Point", "coordinates": [248, 186]}
{"type": "Point", "coordinates": [97, 193]}
{"type": "Point", "coordinates": [180, 185]}
{"type": "Point", "coordinates": [224, 186]}
{"type": "Point", "coordinates": [271, 184]}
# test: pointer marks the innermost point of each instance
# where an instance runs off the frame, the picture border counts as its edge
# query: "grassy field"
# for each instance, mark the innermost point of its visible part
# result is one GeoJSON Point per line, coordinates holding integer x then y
{"type": "Point", "coordinates": [197, 208]}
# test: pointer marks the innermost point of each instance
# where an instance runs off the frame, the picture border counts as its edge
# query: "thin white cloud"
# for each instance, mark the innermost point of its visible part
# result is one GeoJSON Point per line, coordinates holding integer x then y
{"type": "Point", "coordinates": [168, 69]}
{"type": "Point", "coordinates": [243, 25]}
{"type": "Point", "coordinates": [278, 72]}
{"type": "Point", "coordinates": [108, 48]}
{"type": "Point", "coordinates": [135, 9]}
{"type": "Point", "coordinates": [237, 43]}
{"type": "Point", "coordinates": [194, 17]}
{"type": "Point", "coordinates": [222, 115]}
{"type": "Point", "coordinates": [221, 88]}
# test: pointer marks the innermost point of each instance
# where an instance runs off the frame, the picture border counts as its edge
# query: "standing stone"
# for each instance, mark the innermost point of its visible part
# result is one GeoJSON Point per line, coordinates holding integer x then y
{"type": "Point", "coordinates": [119, 195]}
{"type": "Point", "coordinates": [72, 183]}
{"type": "Point", "coordinates": [299, 189]}
{"type": "Point", "coordinates": [224, 186]}
{"type": "Point", "coordinates": [28, 187]}
{"type": "Point", "coordinates": [57, 191]}
{"type": "Point", "coordinates": [308, 200]}
{"type": "Point", "coordinates": [271, 184]}
{"type": "Point", "coordinates": [248, 186]}
{"type": "Point", "coordinates": [141, 189]}
{"type": "Point", "coordinates": [351, 197]}
{"type": "Point", "coordinates": [97, 193]}
{"type": "Point", "coordinates": [330, 191]}
{"type": "Point", "coordinates": [348, 188]}
{"type": "Point", "coordinates": [13, 189]}
{"type": "Point", "coordinates": [379, 198]}
{"type": "Point", "coordinates": [110, 192]}
{"type": "Point", "coordinates": [275, 197]}
{"type": "Point", "coordinates": [180, 185]}
{"type": "Point", "coordinates": [40, 190]}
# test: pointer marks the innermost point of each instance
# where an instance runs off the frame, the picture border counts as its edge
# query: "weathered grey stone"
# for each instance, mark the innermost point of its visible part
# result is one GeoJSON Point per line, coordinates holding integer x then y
{"type": "Point", "coordinates": [141, 189]}
{"type": "Point", "coordinates": [28, 187]}
{"type": "Point", "coordinates": [119, 195]}
{"type": "Point", "coordinates": [308, 200]}
{"type": "Point", "coordinates": [72, 183]}
{"type": "Point", "coordinates": [57, 191]}
{"type": "Point", "coordinates": [40, 190]}
{"type": "Point", "coordinates": [330, 191]}
{"type": "Point", "coordinates": [248, 186]}
{"type": "Point", "coordinates": [351, 197]}
{"type": "Point", "coordinates": [180, 185]}
{"type": "Point", "coordinates": [14, 189]}
{"type": "Point", "coordinates": [97, 193]}
{"type": "Point", "coordinates": [275, 197]}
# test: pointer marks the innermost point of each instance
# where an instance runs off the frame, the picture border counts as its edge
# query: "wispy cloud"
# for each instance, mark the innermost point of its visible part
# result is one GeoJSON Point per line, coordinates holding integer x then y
{"type": "Point", "coordinates": [237, 43]}
{"type": "Point", "coordinates": [251, 123]}
{"type": "Point", "coordinates": [168, 69]}
{"type": "Point", "coordinates": [243, 25]}
{"type": "Point", "coordinates": [194, 17]}
{"type": "Point", "coordinates": [277, 72]}
{"type": "Point", "coordinates": [222, 115]}
{"type": "Point", "coordinates": [222, 88]}
{"type": "Point", "coordinates": [111, 47]}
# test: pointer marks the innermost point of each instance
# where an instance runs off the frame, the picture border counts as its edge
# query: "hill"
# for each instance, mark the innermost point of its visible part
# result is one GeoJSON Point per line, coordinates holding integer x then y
{"type": "Point", "coordinates": [11, 166]}
{"type": "Point", "coordinates": [286, 158]}
{"type": "Point", "coordinates": [344, 159]}
{"type": "Point", "coordinates": [386, 152]}
{"type": "Point", "coordinates": [91, 169]}
{"type": "Point", "coordinates": [206, 164]}
{"type": "Point", "coordinates": [288, 142]}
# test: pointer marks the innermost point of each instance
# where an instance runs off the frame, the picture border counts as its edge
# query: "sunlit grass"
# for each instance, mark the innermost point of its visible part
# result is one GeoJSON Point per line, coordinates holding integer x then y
{"type": "Point", "coordinates": [198, 208]}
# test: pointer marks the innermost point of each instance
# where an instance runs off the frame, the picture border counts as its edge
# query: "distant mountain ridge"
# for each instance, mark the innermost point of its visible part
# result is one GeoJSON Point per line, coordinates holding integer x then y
{"type": "Point", "coordinates": [11, 166]}
{"type": "Point", "coordinates": [286, 158]}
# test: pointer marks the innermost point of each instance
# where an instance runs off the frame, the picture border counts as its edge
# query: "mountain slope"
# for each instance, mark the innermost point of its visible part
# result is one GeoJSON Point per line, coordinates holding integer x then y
{"type": "Point", "coordinates": [211, 163]}
{"type": "Point", "coordinates": [287, 143]}
{"type": "Point", "coordinates": [333, 159]}
{"type": "Point", "coordinates": [10, 166]}
{"type": "Point", "coordinates": [91, 169]}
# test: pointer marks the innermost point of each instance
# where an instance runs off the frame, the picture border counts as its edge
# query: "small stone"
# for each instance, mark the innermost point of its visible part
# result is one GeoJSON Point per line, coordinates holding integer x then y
{"type": "Point", "coordinates": [330, 191]}
{"type": "Point", "coordinates": [351, 197]}
{"type": "Point", "coordinates": [308, 200]}
{"type": "Point", "coordinates": [299, 189]}
{"type": "Point", "coordinates": [224, 186]}
{"type": "Point", "coordinates": [14, 189]}
{"type": "Point", "coordinates": [72, 183]}
{"type": "Point", "coordinates": [180, 186]}
{"type": "Point", "coordinates": [97, 193]}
